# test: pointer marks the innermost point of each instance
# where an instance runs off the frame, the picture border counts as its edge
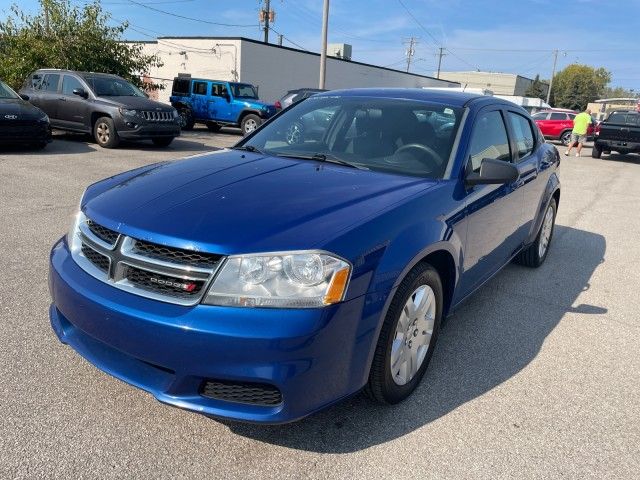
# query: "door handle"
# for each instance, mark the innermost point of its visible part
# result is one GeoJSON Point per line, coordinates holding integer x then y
{"type": "Point", "coordinates": [62, 99]}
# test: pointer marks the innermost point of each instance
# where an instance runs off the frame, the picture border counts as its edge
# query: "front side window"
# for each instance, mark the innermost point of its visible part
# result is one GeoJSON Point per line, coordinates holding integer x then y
{"type": "Point", "coordinates": [523, 134]}
{"type": "Point", "coordinates": [69, 84]}
{"type": "Point", "coordinates": [243, 90]}
{"type": "Point", "coordinates": [388, 135]}
{"type": "Point", "coordinates": [489, 140]}
{"type": "Point", "coordinates": [103, 86]}
{"type": "Point", "coordinates": [540, 116]}
{"type": "Point", "coordinates": [558, 116]}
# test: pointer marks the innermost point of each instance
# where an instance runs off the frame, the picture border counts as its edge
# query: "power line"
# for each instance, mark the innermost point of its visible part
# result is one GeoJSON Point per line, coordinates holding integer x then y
{"type": "Point", "coordinates": [435, 40]}
{"type": "Point", "coordinates": [208, 22]}
{"type": "Point", "coordinates": [287, 39]}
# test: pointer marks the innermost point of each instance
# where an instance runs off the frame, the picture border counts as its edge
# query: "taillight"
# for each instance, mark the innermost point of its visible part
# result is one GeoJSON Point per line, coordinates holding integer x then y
{"type": "Point", "coordinates": [278, 104]}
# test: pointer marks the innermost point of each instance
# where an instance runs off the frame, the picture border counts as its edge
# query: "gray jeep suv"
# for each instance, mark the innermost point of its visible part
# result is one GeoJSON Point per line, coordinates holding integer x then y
{"type": "Point", "coordinates": [105, 106]}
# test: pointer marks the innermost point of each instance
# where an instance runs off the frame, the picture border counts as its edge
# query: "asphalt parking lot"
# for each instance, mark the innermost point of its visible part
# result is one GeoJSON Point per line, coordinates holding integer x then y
{"type": "Point", "coordinates": [537, 376]}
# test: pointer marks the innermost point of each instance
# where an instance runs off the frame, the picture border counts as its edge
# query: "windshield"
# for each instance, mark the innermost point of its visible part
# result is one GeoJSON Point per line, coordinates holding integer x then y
{"type": "Point", "coordinates": [6, 92]}
{"type": "Point", "coordinates": [243, 90]}
{"type": "Point", "coordinates": [382, 134]}
{"type": "Point", "coordinates": [112, 87]}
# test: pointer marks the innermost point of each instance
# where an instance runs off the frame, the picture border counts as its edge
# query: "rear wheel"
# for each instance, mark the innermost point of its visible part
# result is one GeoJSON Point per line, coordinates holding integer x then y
{"type": "Point", "coordinates": [104, 131]}
{"type": "Point", "coordinates": [408, 336]}
{"type": "Point", "coordinates": [536, 253]}
{"type": "Point", "coordinates": [565, 137]}
{"type": "Point", "coordinates": [186, 119]}
{"type": "Point", "coordinates": [596, 151]}
{"type": "Point", "coordinates": [250, 123]}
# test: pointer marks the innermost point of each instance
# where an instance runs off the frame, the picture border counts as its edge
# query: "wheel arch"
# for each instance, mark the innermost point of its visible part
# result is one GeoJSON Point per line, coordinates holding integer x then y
{"type": "Point", "coordinates": [95, 116]}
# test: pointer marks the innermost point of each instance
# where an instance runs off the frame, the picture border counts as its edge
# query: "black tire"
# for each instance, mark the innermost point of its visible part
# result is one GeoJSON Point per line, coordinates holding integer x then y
{"type": "Point", "coordinates": [105, 134]}
{"type": "Point", "coordinates": [213, 126]}
{"type": "Point", "coordinates": [186, 119]}
{"type": "Point", "coordinates": [381, 386]}
{"type": "Point", "coordinates": [530, 256]}
{"type": "Point", "coordinates": [565, 137]}
{"type": "Point", "coordinates": [250, 123]}
{"type": "Point", "coordinates": [596, 151]}
{"type": "Point", "coordinates": [162, 142]}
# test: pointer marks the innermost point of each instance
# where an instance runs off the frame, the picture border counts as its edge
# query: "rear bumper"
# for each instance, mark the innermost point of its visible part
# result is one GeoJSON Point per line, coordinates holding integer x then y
{"type": "Point", "coordinates": [607, 144]}
{"type": "Point", "coordinates": [314, 357]}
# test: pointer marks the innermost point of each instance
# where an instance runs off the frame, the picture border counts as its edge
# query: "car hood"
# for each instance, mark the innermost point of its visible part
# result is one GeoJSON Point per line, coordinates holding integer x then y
{"type": "Point", "coordinates": [236, 202]}
{"type": "Point", "coordinates": [23, 109]}
{"type": "Point", "coordinates": [138, 103]}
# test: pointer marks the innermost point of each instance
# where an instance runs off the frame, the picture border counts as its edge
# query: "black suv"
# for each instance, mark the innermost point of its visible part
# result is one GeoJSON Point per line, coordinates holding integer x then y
{"type": "Point", "coordinates": [105, 106]}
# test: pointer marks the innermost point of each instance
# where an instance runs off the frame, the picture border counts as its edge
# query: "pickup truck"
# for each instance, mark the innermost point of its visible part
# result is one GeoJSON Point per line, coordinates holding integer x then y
{"type": "Point", "coordinates": [218, 103]}
{"type": "Point", "coordinates": [620, 132]}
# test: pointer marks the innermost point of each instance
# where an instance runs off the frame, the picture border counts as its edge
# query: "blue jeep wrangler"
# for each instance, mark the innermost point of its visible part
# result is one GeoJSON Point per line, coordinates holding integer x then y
{"type": "Point", "coordinates": [218, 103]}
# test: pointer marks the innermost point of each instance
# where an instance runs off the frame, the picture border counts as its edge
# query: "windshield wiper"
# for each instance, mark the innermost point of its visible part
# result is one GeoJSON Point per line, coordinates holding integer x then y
{"type": "Point", "coordinates": [249, 148]}
{"type": "Point", "coordinates": [325, 157]}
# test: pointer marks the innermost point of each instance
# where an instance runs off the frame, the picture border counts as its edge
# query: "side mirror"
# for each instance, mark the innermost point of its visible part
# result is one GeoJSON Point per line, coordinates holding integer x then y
{"type": "Point", "coordinates": [81, 92]}
{"type": "Point", "coordinates": [493, 172]}
{"type": "Point", "coordinates": [24, 97]}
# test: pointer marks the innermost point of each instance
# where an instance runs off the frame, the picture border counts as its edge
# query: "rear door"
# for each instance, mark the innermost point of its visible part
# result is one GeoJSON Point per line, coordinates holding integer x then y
{"type": "Point", "coordinates": [45, 93]}
{"type": "Point", "coordinates": [558, 123]}
{"type": "Point", "coordinates": [200, 99]}
{"type": "Point", "coordinates": [542, 120]}
{"type": "Point", "coordinates": [494, 212]}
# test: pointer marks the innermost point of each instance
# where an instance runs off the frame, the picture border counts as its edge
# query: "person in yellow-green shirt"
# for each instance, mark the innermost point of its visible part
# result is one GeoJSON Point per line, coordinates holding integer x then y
{"type": "Point", "coordinates": [579, 134]}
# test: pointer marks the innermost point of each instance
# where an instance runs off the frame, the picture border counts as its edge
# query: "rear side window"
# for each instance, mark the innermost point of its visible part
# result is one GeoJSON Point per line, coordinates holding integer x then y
{"type": "Point", "coordinates": [47, 82]}
{"type": "Point", "coordinates": [540, 116]}
{"type": "Point", "coordinates": [489, 140]}
{"type": "Point", "coordinates": [200, 88]}
{"type": "Point", "coordinates": [69, 84]}
{"type": "Point", "coordinates": [558, 116]}
{"type": "Point", "coordinates": [523, 134]}
{"type": "Point", "coordinates": [181, 86]}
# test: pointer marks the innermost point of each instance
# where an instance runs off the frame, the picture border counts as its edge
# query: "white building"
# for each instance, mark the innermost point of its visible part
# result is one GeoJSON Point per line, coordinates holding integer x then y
{"type": "Point", "coordinates": [273, 69]}
{"type": "Point", "coordinates": [498, 83]}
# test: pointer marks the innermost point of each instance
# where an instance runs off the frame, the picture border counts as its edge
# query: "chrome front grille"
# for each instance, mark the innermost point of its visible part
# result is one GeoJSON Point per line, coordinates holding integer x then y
{"type": "Point", "coordinates": [144, 268]}
{"type": "Point", "coordinates": [155, 116]}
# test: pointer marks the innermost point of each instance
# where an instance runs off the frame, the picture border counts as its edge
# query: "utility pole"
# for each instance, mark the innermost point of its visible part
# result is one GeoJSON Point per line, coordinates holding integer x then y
{"type": "Point", "coordinates": [46, 18]}
{"type": "Point", "coordinates": [280, 39]}
{"type": "Point", "coordinates": [323, 50]}
{"type": "Point", "coordinates": [411, 51]}
{"type": "Point", "coordinates": [266, 14]}
{"type": "Point", "coordinates": [440, 55]}
{"type": "Point", "coordinates": [553, 74]}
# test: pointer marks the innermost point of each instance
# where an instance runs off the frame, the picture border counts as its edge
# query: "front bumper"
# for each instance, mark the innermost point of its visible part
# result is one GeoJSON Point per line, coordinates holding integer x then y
{"type": "Point", "coordinates": [616, 145]}
{"type": "Point", "coordinates": [32, 133]}
{"type": "Point", "coordinates": [314, 357]}
{"type": "Point", "coordinates": [138, 129]}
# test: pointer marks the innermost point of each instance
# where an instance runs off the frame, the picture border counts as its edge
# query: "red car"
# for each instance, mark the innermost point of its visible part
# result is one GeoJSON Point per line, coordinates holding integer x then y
{"type": "Point", "coordinates": [557, 125]}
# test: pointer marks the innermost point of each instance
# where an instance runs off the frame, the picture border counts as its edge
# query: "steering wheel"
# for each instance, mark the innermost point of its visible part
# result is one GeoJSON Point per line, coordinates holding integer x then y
{"type": "Point", "coordinates": [431, 160]}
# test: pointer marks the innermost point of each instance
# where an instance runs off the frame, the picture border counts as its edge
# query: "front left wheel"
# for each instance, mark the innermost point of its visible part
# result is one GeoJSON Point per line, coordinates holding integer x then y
{"type": "Point", "coordinates": [250, 123]}
{"type": "Point", "coordinates": [408, 336]}
{"type": "Point", "coordinates": [104, 131]}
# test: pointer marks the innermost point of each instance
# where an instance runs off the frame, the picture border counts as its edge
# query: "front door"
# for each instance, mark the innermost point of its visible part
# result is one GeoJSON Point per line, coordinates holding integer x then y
{"type": "Point", "coordinates": [73, 110]}
{"type": "Point", "coordinates": [219, 102]}
{"type": "Point", "coordinates": [45, 93]}
{"type": "Point", "coordinates": [494, 212]}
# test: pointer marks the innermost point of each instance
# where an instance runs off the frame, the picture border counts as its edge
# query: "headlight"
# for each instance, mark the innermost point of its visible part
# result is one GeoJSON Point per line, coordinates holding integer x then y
{"type": "Point", "coordinates": [127, 112]}
{"type": "Point", "coordinates": [73, 236]}
{"type": "Point", "coordinates": [44, 118]}
{"type": "Point", "coordinates": [284, 280]}
{"type": "Point", "coordinates": [175, 113]}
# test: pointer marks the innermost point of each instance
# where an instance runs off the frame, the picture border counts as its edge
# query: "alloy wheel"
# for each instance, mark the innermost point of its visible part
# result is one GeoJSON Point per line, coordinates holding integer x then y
{"type": "Point", "coordinates": [103, 133]}
{"type": "Point", "coordinates": [545, 233]}
{"type": "Point", "coordinates": [413, 334]}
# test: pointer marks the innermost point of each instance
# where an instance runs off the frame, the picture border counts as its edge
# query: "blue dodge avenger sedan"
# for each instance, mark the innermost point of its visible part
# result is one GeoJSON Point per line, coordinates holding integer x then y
{"type": "Point", "coordinates": [314, 259]}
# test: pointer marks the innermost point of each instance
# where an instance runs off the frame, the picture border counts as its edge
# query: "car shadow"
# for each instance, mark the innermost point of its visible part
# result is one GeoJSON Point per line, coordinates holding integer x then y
{"type": "Point", "coordinates": [616, 157]}
{"type": "Point", "coordinates": [490, 339]}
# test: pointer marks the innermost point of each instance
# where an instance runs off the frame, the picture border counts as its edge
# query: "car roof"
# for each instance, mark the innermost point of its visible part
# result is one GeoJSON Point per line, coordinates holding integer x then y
{"type": "Point", "coordinates": [457, 99]}
{"type": "Point", "coordinates": [59, 70]}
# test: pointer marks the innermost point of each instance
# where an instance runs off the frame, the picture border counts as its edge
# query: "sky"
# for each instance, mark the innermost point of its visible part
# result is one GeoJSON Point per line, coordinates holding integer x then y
{"type": "Point", "coordinates": [513, 36]}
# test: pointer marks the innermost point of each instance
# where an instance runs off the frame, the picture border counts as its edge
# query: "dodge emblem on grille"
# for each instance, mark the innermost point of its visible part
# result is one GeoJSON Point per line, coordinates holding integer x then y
{"type": "Point", "coordinates": [11, 117]}
{"type": "Point", "coordinates": [187, 287]}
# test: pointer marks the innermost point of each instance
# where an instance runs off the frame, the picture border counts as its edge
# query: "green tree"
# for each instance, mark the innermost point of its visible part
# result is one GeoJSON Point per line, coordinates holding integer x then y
{"type": "Point", "coordinates": [537, 89]}
{"type": "Point", "coordinates": [618, 92]}
{"type": "Point", "coordinates": [577, 85]}
{"type": "Point", "coordinates": [67, 36]}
